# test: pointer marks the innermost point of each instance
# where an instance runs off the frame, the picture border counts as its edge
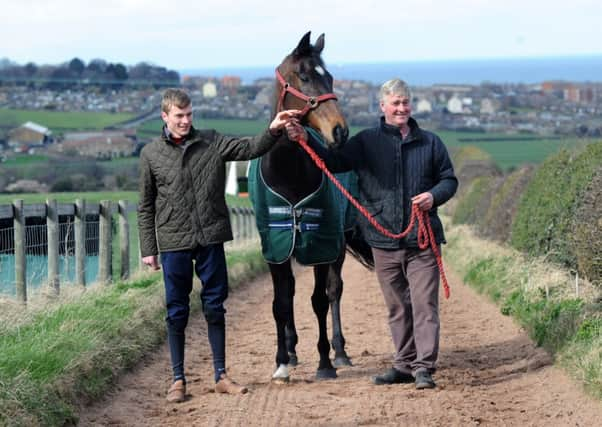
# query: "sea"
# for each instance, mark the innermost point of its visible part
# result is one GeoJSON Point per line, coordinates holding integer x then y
{"type": "Point", "coordinates": [427, 73]}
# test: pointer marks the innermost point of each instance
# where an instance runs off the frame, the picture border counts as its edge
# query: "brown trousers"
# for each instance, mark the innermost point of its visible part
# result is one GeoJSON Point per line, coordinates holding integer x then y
{"type": "Point", "coordinates": [409, 280]}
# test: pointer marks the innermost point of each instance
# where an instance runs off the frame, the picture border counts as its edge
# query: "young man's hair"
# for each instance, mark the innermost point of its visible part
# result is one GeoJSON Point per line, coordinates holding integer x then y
{"type": "Point", "coordinates": [395, 87]}
{"type": "Point", "coordinates": [174, 97]}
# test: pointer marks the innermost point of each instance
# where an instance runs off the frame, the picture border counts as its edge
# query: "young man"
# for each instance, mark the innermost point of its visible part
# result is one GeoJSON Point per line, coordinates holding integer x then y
{"type": "Point", "coordinates": [182, 214]}
{"type": "Point", "coordinates": [398, 164]}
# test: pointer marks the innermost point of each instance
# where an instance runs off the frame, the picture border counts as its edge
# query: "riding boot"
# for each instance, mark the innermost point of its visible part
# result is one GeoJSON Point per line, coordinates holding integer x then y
{"type": "Point", "coordinates": [217, 340]}
{"type": "Point", "coordinates": [176, 340]}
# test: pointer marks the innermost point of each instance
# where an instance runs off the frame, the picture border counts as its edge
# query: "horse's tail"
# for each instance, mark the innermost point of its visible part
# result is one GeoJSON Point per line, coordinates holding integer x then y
{"type": "Point", "coordinates": [358, 247]}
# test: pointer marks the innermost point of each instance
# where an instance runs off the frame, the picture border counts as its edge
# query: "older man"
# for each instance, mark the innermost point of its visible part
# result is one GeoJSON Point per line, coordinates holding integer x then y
{"type": "Point", "coordinates": [399, 164]}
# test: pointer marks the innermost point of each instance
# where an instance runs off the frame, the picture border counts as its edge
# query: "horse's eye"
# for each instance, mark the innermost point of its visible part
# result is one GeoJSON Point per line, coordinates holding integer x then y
{"type": "Point", "coordinates": [304, 77]}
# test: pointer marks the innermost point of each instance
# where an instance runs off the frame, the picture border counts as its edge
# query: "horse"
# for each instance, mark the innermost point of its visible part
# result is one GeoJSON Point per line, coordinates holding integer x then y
{"type": "Point", "coordinates": [289, 179]}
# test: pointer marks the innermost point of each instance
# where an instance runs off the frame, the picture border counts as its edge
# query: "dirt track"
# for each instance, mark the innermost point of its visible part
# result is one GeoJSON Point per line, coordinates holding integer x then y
{"type": "Point", "coordinates": [489, 371]}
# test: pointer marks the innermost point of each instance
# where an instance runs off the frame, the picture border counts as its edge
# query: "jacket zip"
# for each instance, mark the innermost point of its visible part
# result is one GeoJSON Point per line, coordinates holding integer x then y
{"type": "Point", "coordinates": [194, 214]}
{"type": "Point", "coordinates": [397, 203]}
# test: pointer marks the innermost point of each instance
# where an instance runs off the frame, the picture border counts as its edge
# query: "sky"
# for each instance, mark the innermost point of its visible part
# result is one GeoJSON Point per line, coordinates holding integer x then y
{"type": "Point", "coordinates": [184, 34]}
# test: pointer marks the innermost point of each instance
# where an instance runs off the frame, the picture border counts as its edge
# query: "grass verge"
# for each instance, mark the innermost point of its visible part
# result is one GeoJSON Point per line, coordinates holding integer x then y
{"type": "Point", "coordinates": [58, 356]}
{"type": "Point", "coordinates": [564, 319]}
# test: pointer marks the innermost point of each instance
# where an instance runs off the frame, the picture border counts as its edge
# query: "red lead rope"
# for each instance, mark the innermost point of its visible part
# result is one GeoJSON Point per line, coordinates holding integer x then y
{"type": "Point", "coordinates": [425, 236]}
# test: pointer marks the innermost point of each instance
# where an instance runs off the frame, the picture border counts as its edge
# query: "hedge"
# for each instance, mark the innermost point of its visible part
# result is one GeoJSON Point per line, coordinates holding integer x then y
{"type": "Point", "coordinates": [544, 222]}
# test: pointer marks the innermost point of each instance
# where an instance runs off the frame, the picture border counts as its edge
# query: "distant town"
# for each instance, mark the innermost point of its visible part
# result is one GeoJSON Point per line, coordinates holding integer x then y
{"type": "Point", "coordinates": [73, 155]}
{"type": "Point", "coordinates": [546, 108]}
{"type": "Point", "coordinates": [549, 108]}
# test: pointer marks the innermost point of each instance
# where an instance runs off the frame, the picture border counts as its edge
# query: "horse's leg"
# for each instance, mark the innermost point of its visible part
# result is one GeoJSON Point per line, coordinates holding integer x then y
{"type": "Point", "coordinates": [282, 307]}
{"type": "Point", "coordinates": [291, 335]}
{"type": "Point", "coordinates": [335, 292]}
{"type": "Point", "coordinates": [319, 302]}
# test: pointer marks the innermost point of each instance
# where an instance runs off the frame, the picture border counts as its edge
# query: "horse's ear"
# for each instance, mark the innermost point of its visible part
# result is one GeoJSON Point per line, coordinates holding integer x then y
{"type": "Point", "coordinates": [303, 48]}
{"type": "Point", "coordinates": [319, 46]}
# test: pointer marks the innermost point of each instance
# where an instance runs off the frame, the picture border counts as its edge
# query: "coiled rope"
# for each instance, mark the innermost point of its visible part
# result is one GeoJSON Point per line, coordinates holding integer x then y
{"type": "Point", "coordinates": [425, 235]}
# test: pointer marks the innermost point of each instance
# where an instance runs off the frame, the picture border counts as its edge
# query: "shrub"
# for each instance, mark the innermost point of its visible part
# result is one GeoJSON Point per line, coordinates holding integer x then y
{"type": "Point", "coordinates": [546, 209]}
{"type": "Point", "coordinates": [465, 211]}
{"type": "Point", "coordinates": [470, 163]}
{"type": "Point", "coordinates": [487, 276]}
{"type": "Point", "coordinates": [586, 239]}
{"type": "Point", "coordinates": [553, 323]}
{"type": "Point", "coordinates": [497, 222]}
{"type": "Point", "coordinates": [589, 329]}
{"type": "Point", "coordinates": [483, 205]}
{"type": "Point", "coordinates": [469, 154]}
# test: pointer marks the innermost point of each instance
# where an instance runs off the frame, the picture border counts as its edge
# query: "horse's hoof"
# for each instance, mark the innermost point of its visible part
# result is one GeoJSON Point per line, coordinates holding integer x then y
{"type": "Point", "coordinates": [292, 359]}
{"type": "Point", "coordinates": [326, 374]}
{"type": "Point", "coordinates": [281, 381]}
{"type": "Point", "coordinates": [281, 375]}
{"type": "Point", "coordinates": [342, 361]}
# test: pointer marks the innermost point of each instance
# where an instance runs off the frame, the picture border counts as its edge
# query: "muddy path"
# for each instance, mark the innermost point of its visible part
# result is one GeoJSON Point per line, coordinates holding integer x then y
{"type": "Point", "coordinates": [490, 373]}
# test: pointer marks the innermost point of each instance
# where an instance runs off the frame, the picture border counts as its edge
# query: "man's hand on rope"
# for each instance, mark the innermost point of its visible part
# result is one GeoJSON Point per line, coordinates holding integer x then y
{"type": "Point", "coordinates": [282, 119]}
{"type": "Point", "coordinates": [294, 130]}
{"type": "Point", "coordinates": [424, 201]}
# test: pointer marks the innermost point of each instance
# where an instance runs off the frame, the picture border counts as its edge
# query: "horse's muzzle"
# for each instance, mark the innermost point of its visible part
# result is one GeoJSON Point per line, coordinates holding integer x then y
{"type": "Point", "coordinates": [340, 135]}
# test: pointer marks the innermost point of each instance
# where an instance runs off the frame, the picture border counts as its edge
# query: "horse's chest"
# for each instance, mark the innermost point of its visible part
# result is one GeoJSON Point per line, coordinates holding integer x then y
{"type": "Point", "coordinates": [294, 178]}
{"type": "Point", "coordinates": [310, 229]}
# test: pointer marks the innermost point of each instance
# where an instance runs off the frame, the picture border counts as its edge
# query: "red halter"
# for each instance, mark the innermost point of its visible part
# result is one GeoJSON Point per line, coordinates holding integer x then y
{"type": "Point", "coordinates": [311, 101]}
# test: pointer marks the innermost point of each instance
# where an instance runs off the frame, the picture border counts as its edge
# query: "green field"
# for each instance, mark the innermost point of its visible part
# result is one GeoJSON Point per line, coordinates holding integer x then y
{"type": "Point", "coordinates": [59, 121]}
{"type": "Point", "coordinates": [25, 160]}
{"type": "Point", "coordinates": [152, 129]}
{"type": "Point", "coordinates": [507, 150]}
{"type": "Point", "coordinates": [237, 127]}
{"type": "Point", "coordinates": [130, 196]}
{"type": "Point", "coordinates": [120, 164]}
{"type": "Point", "coordinates": [96, 197]}
{"type": "Point", "coordinates": [25, 166]}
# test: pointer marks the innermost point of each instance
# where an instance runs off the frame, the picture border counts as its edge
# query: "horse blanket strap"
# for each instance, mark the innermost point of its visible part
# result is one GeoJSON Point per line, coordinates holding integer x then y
{"type": "Point", "coordinates": [311, 230]}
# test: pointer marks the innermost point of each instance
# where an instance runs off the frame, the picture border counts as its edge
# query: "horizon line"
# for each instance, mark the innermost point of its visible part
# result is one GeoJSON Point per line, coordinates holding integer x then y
{"type": "Point", "coordinates": [413, 61]}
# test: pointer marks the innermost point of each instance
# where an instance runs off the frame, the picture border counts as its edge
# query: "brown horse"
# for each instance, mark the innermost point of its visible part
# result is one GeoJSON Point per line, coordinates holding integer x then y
{"type": "Point", "coordinates": [291, 179]}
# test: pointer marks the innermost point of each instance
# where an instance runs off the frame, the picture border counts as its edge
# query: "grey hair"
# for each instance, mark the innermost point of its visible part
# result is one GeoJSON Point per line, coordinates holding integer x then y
{"type": "Point", "coordinates": [395, 87]}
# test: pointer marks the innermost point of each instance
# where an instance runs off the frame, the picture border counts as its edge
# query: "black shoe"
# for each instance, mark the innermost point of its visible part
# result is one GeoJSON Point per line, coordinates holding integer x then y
{"type": "Point", "coordinates": [392, 376]}
{"type": "Point", "coordinates": [424, 380]}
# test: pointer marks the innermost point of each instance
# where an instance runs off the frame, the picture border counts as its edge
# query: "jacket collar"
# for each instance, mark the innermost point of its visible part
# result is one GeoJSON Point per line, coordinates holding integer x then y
{"type": "Point", "coordinates": [394, 130]}
{"type": "Point", "coordinates": [190, 138]}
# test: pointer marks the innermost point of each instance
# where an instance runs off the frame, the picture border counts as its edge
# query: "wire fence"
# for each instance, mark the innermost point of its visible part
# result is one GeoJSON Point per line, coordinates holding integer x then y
{"type": "Point", "coordinates": [81, 244]}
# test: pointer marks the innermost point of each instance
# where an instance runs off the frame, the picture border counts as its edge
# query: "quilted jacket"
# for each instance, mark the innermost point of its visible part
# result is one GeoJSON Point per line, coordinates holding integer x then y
{"type": "Point", "coordinates": [182, 190]}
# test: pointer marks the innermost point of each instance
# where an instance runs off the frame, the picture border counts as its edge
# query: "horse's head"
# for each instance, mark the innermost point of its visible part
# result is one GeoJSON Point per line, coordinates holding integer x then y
{"type": "Point", "coordinates": [303, 83]}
